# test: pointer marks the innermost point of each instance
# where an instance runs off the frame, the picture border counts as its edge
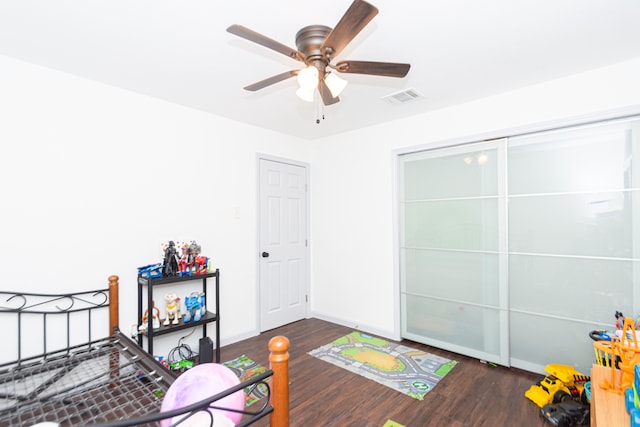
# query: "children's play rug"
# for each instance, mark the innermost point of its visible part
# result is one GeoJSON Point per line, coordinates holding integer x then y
{"type": "Point", "coordinates": [246, 368]}
{"type": "Point", "coordinates": [409, 371]}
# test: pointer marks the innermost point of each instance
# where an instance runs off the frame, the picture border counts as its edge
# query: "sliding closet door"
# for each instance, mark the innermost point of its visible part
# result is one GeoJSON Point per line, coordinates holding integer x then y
{"type": "Point", "coordinates": [518, 267]}
{"type": "Point", "coordinates": [452, 250]}
{"type": "Point", "coordinates": [574, 241]}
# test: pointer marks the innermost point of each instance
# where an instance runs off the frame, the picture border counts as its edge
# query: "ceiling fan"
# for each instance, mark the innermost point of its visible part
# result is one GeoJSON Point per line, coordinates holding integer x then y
{"type": "Point", "coordinates": [317, 46]}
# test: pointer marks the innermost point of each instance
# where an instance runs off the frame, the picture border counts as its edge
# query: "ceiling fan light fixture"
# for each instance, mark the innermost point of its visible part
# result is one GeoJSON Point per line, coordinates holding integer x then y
{"type": "Point", "coordinates": [308, 77]}
{"type": "Point", "coordinates": [305, 94]}
{"type": "Point", "coordinates": [335, 84]}
{"type": "Point", "coordinates": [316, 47]}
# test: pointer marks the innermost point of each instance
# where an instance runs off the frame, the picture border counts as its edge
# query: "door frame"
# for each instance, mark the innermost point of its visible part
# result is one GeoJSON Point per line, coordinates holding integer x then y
{"type": "Point", "coordinates": [306, 166]}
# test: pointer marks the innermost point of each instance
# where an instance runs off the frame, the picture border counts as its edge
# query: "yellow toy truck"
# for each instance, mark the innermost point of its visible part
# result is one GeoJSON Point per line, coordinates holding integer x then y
{"type": "Point", "coordinates": [563, 381]}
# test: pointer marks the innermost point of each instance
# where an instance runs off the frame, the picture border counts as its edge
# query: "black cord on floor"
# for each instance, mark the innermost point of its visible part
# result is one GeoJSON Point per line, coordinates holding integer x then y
{"type": "Point", "coordinates": [181, 351]}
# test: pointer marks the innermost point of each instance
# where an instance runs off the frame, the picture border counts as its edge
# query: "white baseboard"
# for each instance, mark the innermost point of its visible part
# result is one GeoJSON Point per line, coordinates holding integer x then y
{"type": "Point", "coordinates": [237, 338]}
{"type": "Point", "coordinates": [359, 327]}
{"type": "Point", "coordinates": [338, 321]}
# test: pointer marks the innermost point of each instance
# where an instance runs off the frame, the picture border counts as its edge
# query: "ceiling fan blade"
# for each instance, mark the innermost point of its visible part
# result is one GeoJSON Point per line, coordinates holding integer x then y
{"type": "Point", "coordinates": [271, 80]}
{"type": "Point", "coordinates": [265, 41]}
{"type": "Point", "coordinates": [388, 69]}
{"type": "Point", "coordinates": [359, 14]}
{"type": "Point", "coordinates": [325, 93]}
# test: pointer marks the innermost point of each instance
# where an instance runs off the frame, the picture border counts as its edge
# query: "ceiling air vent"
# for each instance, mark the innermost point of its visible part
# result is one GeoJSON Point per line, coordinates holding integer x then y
{"type": "Point", "coordinates": [404, 96]}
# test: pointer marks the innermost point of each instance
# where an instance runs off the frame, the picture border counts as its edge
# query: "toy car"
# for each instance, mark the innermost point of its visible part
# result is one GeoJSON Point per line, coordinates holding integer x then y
{"type": "Point", "coordinates": [601, 335]}
{"type": "Point", "coordinates": [150, 271]}
{"type": "Point", "coordinates": [562, 381]}
{"type": "Point", "coordinates": [182, 365]}
{"type": "Point", "coordinates": [567, 413]}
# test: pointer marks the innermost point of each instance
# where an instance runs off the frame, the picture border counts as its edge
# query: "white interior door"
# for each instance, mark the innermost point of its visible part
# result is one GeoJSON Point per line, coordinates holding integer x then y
{"type": "Point", "coordinates": [283, 243]}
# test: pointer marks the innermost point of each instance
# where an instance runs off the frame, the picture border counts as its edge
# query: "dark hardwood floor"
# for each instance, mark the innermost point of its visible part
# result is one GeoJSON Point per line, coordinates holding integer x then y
{"type": "Point", "coordinates": [472, 394]}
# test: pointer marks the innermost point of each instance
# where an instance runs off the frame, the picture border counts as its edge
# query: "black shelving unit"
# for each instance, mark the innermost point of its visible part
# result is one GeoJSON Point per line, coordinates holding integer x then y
{"type": "Point", "coordinates": [210, 316]}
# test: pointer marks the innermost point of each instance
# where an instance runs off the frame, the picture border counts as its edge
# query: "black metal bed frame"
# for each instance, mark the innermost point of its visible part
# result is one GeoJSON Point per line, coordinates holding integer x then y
{"type": "Point", "coordinates": [23, 304]}
{"type": "Point", "coordinates": [103, 382]}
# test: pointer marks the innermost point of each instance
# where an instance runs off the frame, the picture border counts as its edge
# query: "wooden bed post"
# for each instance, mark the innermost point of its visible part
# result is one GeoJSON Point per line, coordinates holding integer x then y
{"type": "Point", "coordinates": [114, 357]}
{"type": "Point", "coordinates": [113, 304]}
{"type": "Point", "coordinates": [279, 364]}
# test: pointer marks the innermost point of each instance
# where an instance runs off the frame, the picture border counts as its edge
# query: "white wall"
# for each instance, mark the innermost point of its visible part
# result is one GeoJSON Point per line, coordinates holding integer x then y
{"type": "Point", "coordinates": [354, 278]}
{"type": "Point", "coordinates": [93, 179]}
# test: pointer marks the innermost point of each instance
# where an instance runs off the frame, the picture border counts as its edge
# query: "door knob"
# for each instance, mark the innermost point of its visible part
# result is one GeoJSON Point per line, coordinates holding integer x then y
{"type": "Point", "coordinates": [265, 254]}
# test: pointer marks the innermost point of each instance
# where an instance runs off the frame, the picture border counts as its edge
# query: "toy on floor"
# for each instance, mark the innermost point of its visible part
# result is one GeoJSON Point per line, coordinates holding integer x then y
{"type": "Point", "coordinates": [587, 392]}
{"type": "Point", "coordinates": [562, 382]}
{"type": "Point", "coordinates": [566, 413]}
{"type": "Point", "coordinates": [198, 383]}
{"type": "Point", "coordinates": [173, 309]}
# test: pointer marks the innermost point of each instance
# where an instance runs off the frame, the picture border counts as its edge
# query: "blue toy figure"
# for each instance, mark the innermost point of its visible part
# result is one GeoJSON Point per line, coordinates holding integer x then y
{"type": "Point", "coordinates": [203, 308]}
{"type": "Point", "coordinates": [631, 400]}
{"type": "Point", "coordinates": [195, 307]}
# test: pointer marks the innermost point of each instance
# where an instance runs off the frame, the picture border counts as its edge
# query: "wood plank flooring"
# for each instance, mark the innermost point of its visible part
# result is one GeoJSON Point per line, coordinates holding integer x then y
{"type": "Point", "coordinates": [472, 394]}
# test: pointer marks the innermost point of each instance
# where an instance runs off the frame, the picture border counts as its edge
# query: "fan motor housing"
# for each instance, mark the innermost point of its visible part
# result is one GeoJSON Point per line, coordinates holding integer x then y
{"type": "Point", "coordinates": [309, 41]}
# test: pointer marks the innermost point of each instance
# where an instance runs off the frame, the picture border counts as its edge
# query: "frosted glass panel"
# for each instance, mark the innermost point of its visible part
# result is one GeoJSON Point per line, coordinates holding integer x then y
{"type": "Point", "coordinates": [571, 287]}
{"type": "Point", "coordinates": [593, 224]}
{"type": "Point", "coordinates": [452, 224]}
{"type": "Point", "coordinates": [597, 158]}
{"type": "Point", "coordinates": [450, 279]}
{"type": "Point", "coordinates": [541, 340]}
{"type": "Point", "coordinates": [460, 324]}
{"type": "Point", "coordinates": [463, 174]}
{"type": "Point", "coordinates": [462, 276]}
{"type": "Point", "coordinates": [573, 239]}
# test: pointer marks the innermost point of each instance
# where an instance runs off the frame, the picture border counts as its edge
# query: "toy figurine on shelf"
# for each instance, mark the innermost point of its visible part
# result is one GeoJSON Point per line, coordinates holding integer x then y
{"type": "Point", "coordinates": [180, 259]}
{"type": "Point", "coordinates": [173, 309]}
{"type": "Point", "coordinates": [170, 260]}
{"type": "Point", "coordinates": [619, 320]}
{"type": "Point", "coordinates": [184, 268]}
{"type": "Point", "coordinates": [155, 318]}
{"type": "Point", "coordinates": [203, 307]}
{"type": "Point", "coordinates": [187, 261]}
{"type": "Point", "coordinates": [195, 307]}
{"type": "Point", "coordinates": [150, 271]}
{"type": "Point", "coordinates": [191, 262]}
{"type": "Point", "coordinates": [202, 264]}
{"type": "Point", "coordinates": [194, 250]}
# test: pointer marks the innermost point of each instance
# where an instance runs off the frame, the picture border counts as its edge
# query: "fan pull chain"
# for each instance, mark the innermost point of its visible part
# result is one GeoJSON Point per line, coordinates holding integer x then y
{"type": "Point", "coordinates": [319, 111]}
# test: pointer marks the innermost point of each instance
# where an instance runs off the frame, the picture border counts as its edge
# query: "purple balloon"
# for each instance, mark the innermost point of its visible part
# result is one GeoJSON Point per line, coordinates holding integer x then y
{"type": "Point", "coordinates": [198, 383]}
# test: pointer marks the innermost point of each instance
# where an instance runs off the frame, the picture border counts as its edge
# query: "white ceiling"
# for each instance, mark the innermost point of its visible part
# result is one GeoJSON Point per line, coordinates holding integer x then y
{"type": "Point", "coordinates": [179, 51]}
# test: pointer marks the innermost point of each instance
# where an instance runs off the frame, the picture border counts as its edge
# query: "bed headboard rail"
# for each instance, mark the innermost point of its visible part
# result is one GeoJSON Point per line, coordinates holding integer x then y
{"type": "Point", "coordinates": [40, 323]}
